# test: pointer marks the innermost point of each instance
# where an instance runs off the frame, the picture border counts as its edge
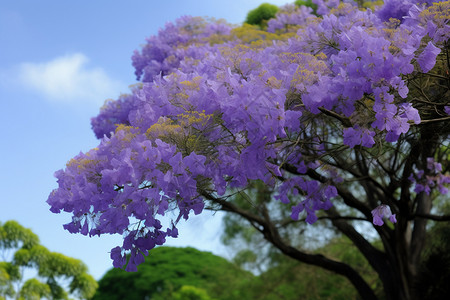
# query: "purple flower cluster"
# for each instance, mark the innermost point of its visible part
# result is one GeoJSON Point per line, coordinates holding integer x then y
{"type": "Point", "coordinates": [112, 114]}
{"type": "Point", "coordinates": [381, 212]}
{"type": "Point", "coordinates": [317, 197]}
{"type": "Point", "coordinates": [162, 53]}
{"type": "Point", "coordinates": [288, 16]}
{"type": "Point", "coordinates": [396, 9]}
{"type": "Point", "coordinates": [358, 136]}
{"type": "Point", "coordinates": [432, 177]}
{"type": "Point", "coordinates": [325, 6]}
{"type": "Point", "coordinates": [230, 107]}
{"type": "Point", "coordinates": [433, 20]}
{"type": "Point", "coordinates": [128, 175]}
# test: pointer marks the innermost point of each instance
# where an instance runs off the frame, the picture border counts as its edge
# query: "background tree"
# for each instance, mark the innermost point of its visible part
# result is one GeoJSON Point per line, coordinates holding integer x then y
{"type": "Point", "coordinates": [344, 120]}
{"type": "Point", "coordinates": [57, 276]}
{"type": "Point", "coordinates": [171, 273]}
{"type": "Point", "coordinates": [260, 15]}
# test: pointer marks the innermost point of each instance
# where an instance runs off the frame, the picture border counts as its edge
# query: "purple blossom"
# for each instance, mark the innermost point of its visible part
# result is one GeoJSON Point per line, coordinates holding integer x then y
{"type": "Point", "coordinates": [288, 16]}
{"type": "Point", "coordinates": [112, 114]}
{"type": "Point", "coordinates": [358, 136]}
{"type": "Point", "coordinates": [427, 59]}
{"type": "Point", "coordinates": [160, 56]}
{"type": "Point", "coordinates": [119, 259]}
{"type": "Point", "coordinates": [293, 119]}
{"type": "Point", "coordinates": [394, 9]}
{"type": "Point", "coordinates": [410, 113]}
{"type": "Point", "coordinates": [318, 197]}
{"type": "Point", "coordinates": [434, 20]}
{"type": "Point", "coordinates": [433, 166]}
{"type": "Point", "coordinates": [426, 180]}
{"type": "Point", "coordinates": [324, 6]}
{"type": "Point", "coordinates": [381, 212]}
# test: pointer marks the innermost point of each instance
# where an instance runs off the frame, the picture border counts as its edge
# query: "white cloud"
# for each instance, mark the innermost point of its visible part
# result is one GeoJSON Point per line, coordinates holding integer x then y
{"type": "Point", "coordinates": [69, 79]}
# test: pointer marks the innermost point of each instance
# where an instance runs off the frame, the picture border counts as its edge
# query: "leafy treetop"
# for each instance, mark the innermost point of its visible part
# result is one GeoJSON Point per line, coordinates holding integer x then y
{"type": "Point", "coordinates": [261, 14]}
{"type": "Point", "coordinates": [171, 273]}
{"type": "Point", "coordinates": [57, 276]}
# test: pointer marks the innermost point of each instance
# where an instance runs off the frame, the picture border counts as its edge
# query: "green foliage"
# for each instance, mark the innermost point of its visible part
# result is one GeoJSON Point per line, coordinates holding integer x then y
{"type": "Point", "coordinates": [13, 235]}
{"type": "Point", "coordinates": [34, 289]}
{"type": "Point", "coordinates": [188, 292]}
{"type": "Point", "coordinates": [260, 15]}
{"type": "Point", "coordinates": [245, 256]}
{"type": "Point", "coordinates": [20, 249]}
{"type": "Point", "coordinates": [82, 285]}
{"type": "Point", "coordinates": [7, 274]}
{"type": "Point", "coordinates": [168, 269]}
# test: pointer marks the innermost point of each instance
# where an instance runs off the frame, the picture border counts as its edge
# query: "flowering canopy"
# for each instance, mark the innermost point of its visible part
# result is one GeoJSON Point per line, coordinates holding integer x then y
{"type": "Point", "coordinates": [220, 106]}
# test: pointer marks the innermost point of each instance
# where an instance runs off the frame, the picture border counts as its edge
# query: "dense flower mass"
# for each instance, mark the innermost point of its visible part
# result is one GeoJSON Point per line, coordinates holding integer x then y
{"type": "Point", "coordinates": [219, 107]}
{"type": "Point", "coordinates": [289, 18]}
{"type": "Point", "coordinates": [164, 52]}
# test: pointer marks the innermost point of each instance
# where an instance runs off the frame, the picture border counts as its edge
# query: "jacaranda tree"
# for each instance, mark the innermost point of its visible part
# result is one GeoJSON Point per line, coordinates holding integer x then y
{"type": "Point", "coordinates": [343, 116]}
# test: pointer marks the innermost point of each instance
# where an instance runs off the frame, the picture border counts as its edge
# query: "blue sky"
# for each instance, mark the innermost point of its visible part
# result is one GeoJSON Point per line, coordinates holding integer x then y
{"type": "Point", "coordinates": [59, 61]}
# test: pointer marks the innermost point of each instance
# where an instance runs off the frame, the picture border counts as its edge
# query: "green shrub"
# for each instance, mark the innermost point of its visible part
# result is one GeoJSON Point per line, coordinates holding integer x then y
{"type": "Point", "coordinates": [261, 14]}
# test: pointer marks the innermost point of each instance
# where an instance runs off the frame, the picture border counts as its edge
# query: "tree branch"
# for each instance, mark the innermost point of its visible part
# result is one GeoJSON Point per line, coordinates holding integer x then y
{"type": "Point", "coordinates": [345, 121]}
{"type": "Point", "coordinates": [271, 234]}
{"type": "Point", "coordinates": [433, 121]}
{"type": "Point", "coordinates": [289, 221]}
{"type": "Point", "coordinates": [437, 218]}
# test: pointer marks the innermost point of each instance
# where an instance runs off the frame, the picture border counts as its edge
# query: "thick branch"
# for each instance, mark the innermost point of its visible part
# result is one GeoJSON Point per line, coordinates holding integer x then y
{"type": "Point", "coordinates": [434, 120]}
{"type": "Point", "coordinates": [345, 121]}
{"type": "Point", "coordinates": [444, 218]}
{"type": "Point", "coordinates": [289, 221]}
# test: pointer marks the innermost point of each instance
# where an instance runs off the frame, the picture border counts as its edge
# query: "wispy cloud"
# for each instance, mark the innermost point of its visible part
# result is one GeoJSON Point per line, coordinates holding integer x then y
{"type": "Point", "coordinates": [68, 79]}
